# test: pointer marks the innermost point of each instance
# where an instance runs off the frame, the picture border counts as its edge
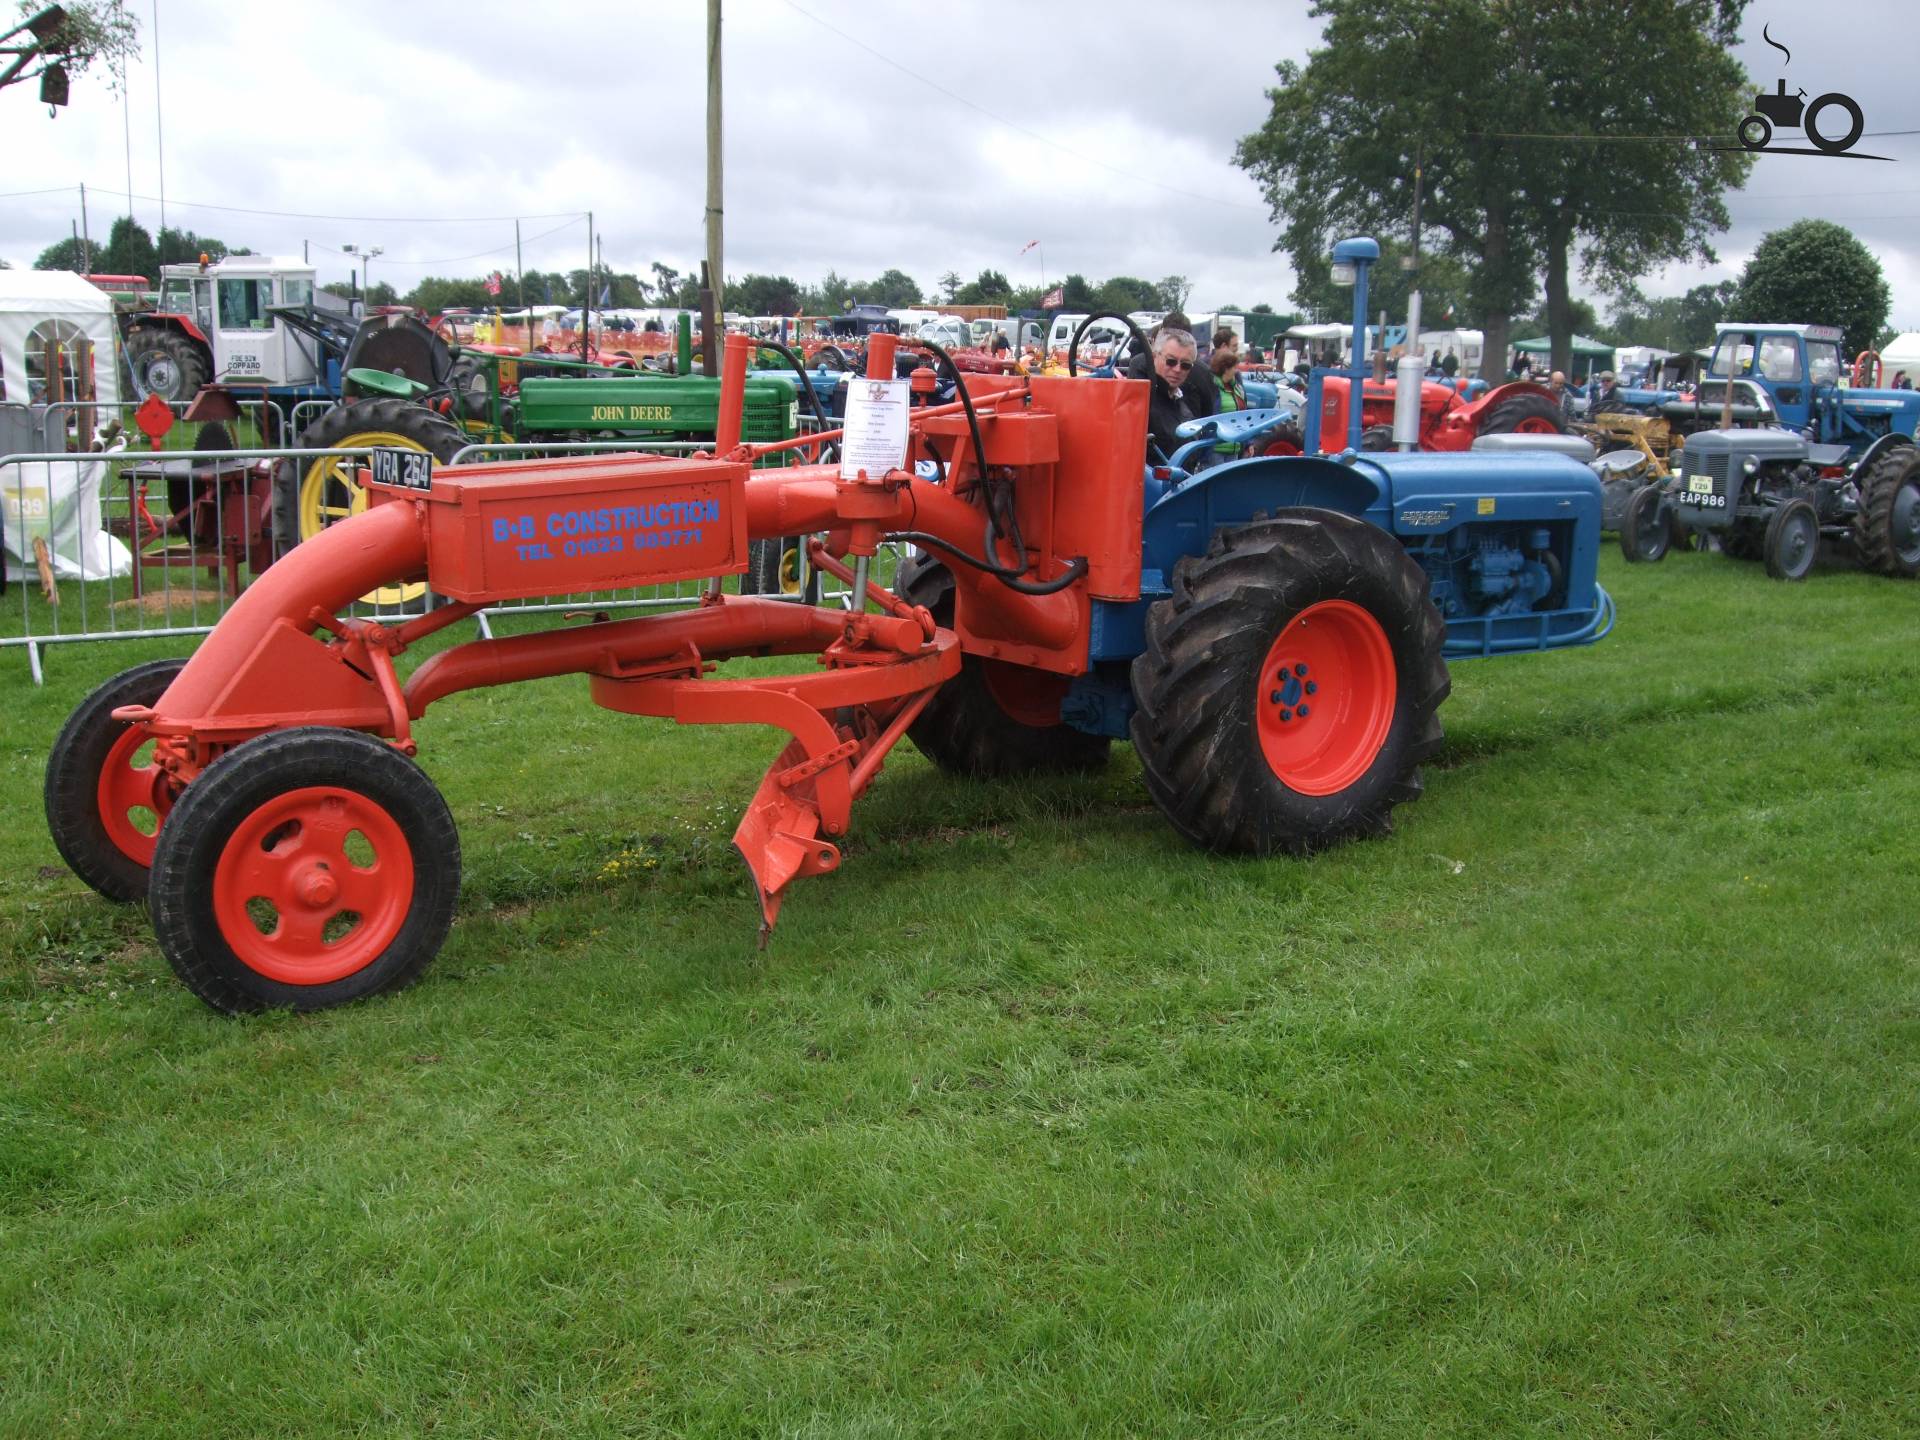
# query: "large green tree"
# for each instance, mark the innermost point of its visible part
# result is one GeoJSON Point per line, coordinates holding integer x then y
{"type": "Point", "coordinates": [989, 287]}
{"type": "Point", "coordinates": [1541, 134]}
{"type": "Point", "coordinates": [1675, 322]}
{"type": "Point", "coordinates": [1815, 272]}
{"type": "Point", "coordinates": [764, 295]}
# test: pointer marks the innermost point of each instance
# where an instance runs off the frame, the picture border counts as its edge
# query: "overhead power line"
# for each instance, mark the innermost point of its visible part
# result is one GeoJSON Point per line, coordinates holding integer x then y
{"type": "Point", "coordinates": [569, 215]}
{"type": "Point", "coordinates": [1015, 125]}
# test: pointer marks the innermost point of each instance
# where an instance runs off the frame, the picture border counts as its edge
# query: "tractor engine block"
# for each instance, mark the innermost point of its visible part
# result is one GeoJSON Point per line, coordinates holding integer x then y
{"type": "Point", "coordinates": [1491, 570]}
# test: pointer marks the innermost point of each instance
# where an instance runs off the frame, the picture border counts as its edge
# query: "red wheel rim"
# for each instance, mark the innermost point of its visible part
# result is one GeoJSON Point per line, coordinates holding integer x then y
{"type": "Point", "coordinates": [125, 787]}
{"type": "Point", "coordinates": [1325, 696]}
{"type": "Point", "coordinates": [1030, 696]}
{"type": "Point", "coordinates": [1536, 425]}
{"type": "Point", "coordinates": [330, 915]}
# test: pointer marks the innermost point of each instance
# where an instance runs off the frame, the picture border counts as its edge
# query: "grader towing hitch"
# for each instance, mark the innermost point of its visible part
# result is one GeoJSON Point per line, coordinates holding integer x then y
{"type": "Point", "coordinates": [1272, 634]}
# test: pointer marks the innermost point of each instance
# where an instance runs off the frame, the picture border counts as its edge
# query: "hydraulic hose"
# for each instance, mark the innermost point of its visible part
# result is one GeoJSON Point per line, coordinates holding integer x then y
{"type": "Point", "coordinates": [813, 398]}
{"type": "Point", "coordinates": [1007, 575]}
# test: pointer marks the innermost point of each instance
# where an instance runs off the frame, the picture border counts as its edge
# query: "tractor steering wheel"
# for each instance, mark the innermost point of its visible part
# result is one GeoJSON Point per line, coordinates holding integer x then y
{"type": "Point", "coordinates": [1073, 346]}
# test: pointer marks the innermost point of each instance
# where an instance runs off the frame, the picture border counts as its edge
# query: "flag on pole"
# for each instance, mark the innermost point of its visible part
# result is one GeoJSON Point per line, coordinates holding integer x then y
{"type": "Point", "coordinates": [1028, 246]}
{"type": "Point", "coordinates": [606, 293]}
{"type": "Point", "coordinates": [1054, 298]}
{"type": "Point", "coordinates": [493, 283]}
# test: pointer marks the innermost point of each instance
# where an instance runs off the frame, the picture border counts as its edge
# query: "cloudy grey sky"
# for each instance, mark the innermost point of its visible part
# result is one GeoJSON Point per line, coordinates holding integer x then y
{"type": "Point", "coordinates": [859, 136]}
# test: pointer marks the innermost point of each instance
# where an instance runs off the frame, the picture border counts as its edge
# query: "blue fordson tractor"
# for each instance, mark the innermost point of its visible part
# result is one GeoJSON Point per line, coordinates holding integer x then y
{"type": "Point", "coordinates": [1778, 457]}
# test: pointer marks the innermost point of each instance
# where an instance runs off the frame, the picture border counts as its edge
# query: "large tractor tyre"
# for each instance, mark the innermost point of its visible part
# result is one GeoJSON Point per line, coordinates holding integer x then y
{"type": "Point", "coordinates": [1290, 686]}
{"type": "Point", "coordinates": [1793, 540]}
{"type": "Point", "coordinates": [106, 799]}
{"type": "Point", "coordinates": [1743, 540]}
{"type": "Point", "coordinates": [1525, 415]}
{"type": "Point", "coordinates": [1645, 533]}
{"type": "Point", "coordinates": [310, 495]}
{"type": "Point", "coordinates": [1887, 529]}
{"type": "Point", "coordinates": [166, 363]}
{"type": "Point", "coordinates": [775, 567]}
{"type": "Point", "coordinates": [993, 719]}
{"type": "Point", "coordinates": [303, 869]}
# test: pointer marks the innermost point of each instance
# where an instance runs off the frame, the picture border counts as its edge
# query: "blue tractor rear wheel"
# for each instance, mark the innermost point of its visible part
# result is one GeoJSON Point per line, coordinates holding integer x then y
{"type": "Point", "coordinates": [1290, 686]}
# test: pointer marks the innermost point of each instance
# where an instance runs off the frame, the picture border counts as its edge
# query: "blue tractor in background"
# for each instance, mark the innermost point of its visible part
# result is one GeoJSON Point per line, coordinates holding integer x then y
{"type": "Point", "coordinates": [1776, 456]}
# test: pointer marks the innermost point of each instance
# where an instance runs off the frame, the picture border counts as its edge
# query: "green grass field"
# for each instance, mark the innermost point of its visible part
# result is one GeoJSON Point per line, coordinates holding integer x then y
{"type": "Point", "coordinates": [1581, 1106]}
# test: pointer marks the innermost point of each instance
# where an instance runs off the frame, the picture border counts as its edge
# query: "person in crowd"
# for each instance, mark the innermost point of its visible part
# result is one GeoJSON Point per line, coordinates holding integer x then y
{"type": "Point", "coordinates": [1224, 339]}
{"type": "Point", "coordinates": [1561, 391]}
{"type": "Point", "coordinates": [1229, 394]}
{"type": "Point", "coordinates": [1145, 367]}
{"type": "Point", "coordinates": [1605, 395]}
{"type": "Point", "coordinates": [1179, 395]}
{"type": "Point", "coordinates": [1449, 364]}
{"type": "Point", "coordinates": [1902, 381]}
{"type": "Point", "coordinates": [1001, 349]}
{"type": "Point", "coordinates": [1031, 361]}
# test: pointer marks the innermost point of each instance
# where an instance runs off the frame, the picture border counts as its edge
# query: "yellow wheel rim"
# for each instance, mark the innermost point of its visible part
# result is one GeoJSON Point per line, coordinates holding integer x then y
{"type": "Point", "coordinates": [790, 571]}
{"type": "Point", "coordinates": [331, 490]}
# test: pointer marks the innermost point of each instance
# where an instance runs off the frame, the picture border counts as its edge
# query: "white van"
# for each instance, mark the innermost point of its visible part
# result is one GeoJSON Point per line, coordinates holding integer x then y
{"type": "Point", "coordinates": [1104, 335]}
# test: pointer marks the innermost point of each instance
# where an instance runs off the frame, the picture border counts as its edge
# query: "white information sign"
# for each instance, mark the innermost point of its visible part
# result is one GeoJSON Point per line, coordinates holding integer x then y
{"type": "Point", "coordinates": [876, 428]}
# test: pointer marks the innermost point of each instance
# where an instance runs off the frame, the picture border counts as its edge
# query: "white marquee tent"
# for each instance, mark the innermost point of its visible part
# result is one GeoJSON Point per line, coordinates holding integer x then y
{"type": "Point", "coordinates": [56, 346]}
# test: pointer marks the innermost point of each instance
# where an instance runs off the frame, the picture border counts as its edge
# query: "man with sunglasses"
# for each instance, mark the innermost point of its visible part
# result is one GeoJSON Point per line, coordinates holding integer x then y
{"type": "Point", "coordinates": [1178, 394]}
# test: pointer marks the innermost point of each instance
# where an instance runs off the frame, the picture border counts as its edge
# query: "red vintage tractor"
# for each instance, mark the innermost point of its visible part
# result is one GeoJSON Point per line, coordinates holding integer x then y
{"type": "Point", "coordinates": [1448, 421]}
{"type": "Point", "coordinates": [1272, 636]}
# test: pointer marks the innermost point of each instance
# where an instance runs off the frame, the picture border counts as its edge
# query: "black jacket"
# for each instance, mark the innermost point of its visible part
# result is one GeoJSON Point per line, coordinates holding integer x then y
{"type": "Point", "coordinates": [1198, 399]}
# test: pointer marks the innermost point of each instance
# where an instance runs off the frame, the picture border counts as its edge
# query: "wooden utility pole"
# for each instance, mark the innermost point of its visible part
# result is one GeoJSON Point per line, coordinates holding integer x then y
{"type": "Point", "coordinates": [715, 213]}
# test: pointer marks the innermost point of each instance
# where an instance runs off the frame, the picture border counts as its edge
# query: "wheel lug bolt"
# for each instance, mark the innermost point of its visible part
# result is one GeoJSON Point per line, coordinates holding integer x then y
{"type": "Point", "coordinates": [1286, 714]}
{"type": "Point", "coordinates": [1312, 687]}
{"type": "Point", "coordinates": [1277, 697]}
{"type": "Point", "coordinates": [1303, 712]}
{"type": "Point", "coordinates": [1300, 669]}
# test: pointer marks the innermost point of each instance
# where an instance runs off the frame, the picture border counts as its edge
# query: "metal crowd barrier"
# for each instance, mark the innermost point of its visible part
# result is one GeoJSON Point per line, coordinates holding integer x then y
{"type": "Point", "coordinates": [179, 533]}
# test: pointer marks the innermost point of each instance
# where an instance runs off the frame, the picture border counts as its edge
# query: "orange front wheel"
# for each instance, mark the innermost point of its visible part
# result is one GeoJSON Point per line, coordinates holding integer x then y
{"type": "Point", "coordinates": [304, 869]}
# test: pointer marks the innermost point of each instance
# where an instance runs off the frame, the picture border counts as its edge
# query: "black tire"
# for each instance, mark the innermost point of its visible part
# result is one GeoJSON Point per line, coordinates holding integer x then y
{"type": "Point", "coordinates": [1755, 132]}
{"type": "Point", "coordinates": [1742, 540]}
{"type": "Point", "coordinates": [774, 568]}
{"type": "Point", "coordinates": [829, 357]}
{"type": "Point", "coordinates": [83, 832]}
{"type": "Point", "coordinates": [1645, 531]}
{"type": "Point", "coordinates": [1511, 414]}
{"type": "Point", "coordinates": [166, 363]}
{"type": "Point", "coordinates": [1201, 682]}
{"type": "Point", "coordinates": [1887, 529]}
{"type": "Point", "coordinates": [255, 784]}
{"type": "Point", "coordinates": [1793, 540]}
{"type": "Point", "coordinates": [307, 495]}
{"type": "Point", "coordinates": [1376, 438]}
{"type": "Point", "coordinates": [1682, 536]}
{"type": "Point", "coordinates": [965, 730]}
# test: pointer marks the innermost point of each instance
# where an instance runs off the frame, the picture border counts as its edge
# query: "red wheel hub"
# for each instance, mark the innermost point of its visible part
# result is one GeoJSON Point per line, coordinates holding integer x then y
{"type": "Point", "coordinates": [1324, 697]}
{"type": "Point", "coordinates": [292, 899]}
{"type": "Point", "coordinates": [1536, 425]}
{"type": "Point", "coordinates": [126, 788]}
